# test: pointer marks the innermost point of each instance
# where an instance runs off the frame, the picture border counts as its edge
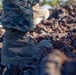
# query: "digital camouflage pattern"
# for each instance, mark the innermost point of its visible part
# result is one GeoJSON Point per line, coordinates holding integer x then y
{"type": "Point", "coordinates": [18, 47]}
{"type": "Point", "coordinates": [17, 44]}
{"type": "Point", "coordinates": [17, 14]}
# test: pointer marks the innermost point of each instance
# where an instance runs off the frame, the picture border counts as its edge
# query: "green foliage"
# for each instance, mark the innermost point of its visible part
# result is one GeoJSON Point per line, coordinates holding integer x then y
{"type": "Point", "coordinates": [0, 5]}
{"type": "Point", "coordinates": [53, 2]}
{"type": "Point", "coordinates": [70, 1]}
{"type": "Point", "coordinates": [57, 2]}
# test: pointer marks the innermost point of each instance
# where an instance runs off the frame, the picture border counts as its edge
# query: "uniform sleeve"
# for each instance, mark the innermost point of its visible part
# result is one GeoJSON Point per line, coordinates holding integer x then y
{"type": "Point", "coordinates": [16, 16]}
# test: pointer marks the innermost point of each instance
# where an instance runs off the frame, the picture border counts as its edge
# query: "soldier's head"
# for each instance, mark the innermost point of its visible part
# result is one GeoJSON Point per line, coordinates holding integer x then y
{"type": "Point", "coordinates": [51, 65]}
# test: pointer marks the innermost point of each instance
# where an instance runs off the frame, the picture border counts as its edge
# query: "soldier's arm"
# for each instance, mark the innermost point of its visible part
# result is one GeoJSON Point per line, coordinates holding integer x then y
{"type": "Point", "coordinates": [15, 6]}
{"type": "Point", "coordinates": [10, 4]}
{"type": "Point", "coordinates": [15, 14]}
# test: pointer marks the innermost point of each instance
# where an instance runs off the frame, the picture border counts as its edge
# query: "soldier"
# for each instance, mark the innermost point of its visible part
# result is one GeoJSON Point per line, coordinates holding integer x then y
{"type": "Point", "coordinates": [18, 46]}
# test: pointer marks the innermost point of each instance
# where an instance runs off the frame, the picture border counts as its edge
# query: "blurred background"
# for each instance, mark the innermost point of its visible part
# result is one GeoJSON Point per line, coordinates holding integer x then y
{"type": "Point", "coordinates": [50, 2]}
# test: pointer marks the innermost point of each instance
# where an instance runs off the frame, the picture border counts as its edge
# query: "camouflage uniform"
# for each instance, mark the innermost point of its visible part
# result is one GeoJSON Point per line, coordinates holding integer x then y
{"type": "Point", "coordinates": [17, 15]}
{"type": "Point", "coordinates": [18, 46]}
